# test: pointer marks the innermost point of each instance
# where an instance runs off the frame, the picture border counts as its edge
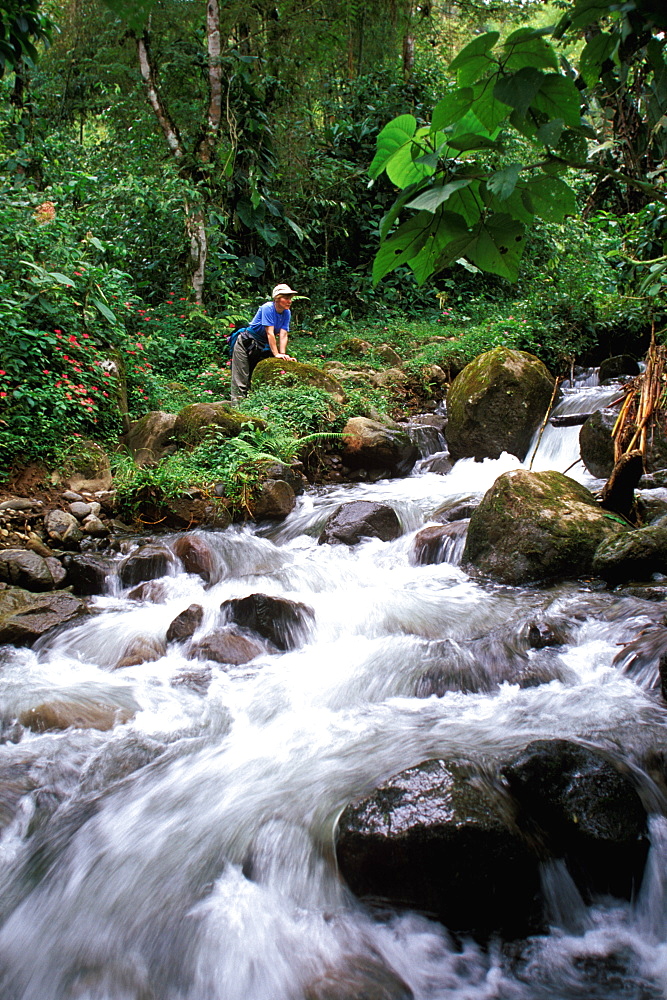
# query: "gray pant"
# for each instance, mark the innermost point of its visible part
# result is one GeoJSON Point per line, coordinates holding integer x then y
{"type": "Point", "coordinates": [247, 354]}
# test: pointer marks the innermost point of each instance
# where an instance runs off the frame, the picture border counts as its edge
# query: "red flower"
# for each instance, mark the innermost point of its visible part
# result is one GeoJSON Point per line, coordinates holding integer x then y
{"type": "Point", "coordinates": [71, 339]}
{"type": "Point", "coordinates": [3, 373]}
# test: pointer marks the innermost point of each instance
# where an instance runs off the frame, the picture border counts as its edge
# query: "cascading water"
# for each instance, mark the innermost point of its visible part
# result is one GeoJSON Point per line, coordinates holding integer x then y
{"type": "Point", "coordinates": [188, 854]}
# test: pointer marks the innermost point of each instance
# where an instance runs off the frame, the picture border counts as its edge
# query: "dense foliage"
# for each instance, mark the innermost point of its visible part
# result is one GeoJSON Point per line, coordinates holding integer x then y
{"type": "Point", "coordinates": [162, 167]}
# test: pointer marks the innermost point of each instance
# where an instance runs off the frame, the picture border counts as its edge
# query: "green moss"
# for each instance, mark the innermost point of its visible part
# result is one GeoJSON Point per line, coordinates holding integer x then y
{"type": "Point", "coordinates": [272, 371]}
{"type": "Point", "coordinates": [193, 421]}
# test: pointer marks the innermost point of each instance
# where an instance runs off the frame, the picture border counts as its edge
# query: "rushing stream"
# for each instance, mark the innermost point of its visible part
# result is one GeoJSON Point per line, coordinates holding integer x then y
{"type": "Point", "coordinates": [124, 868]}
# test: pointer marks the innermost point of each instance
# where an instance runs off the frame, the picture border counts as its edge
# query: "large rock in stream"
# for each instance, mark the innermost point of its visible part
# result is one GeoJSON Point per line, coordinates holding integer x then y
{"type": "Point", "coordinates": [633, 555]}
{"type": "Point", "coordinates": [368, 444]}
{"type": "Point", "coordinates": [358, 519]}
{"type": "Point", "coordinates": [582, 807]}
{"type": "Point", "coordinates": [24, 617]}
{"type": "Point", "coordinates": [496, 404]}
{"type": "Point", "coordinates": [430, 840]}
{"type": "Point", "coordinates": [467, 848]}
{"type": "Point", "coordinates": [534, 526]}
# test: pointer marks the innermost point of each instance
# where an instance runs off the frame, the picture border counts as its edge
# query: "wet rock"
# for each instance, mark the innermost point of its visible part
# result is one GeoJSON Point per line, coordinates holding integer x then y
{"type": "Point", "coordinates": [440, 464]}
{"type": "Point", "coordinates": [228, 646]}
{"type": "Point", "coordinates": [58, 715]}
{"type": "Point", "coordinates": [358, 978]}
{"type": "Point", "coordinates": [142, 649]}
{"type": "Point", "coordinates": [196, 555]}
{"type": "Point", "coordinates": [359, 519]}
{"type": "Point", "coordinates": [151, 438]}
{"type": "Point", "coordinates": [597, 447]}
{"type": "Point", "coordinates": [617, 367]}
{"type": "Point", "coordinates": [118, 759]}
{"type": "Point", "coordinates": [186, 624]}
{"type": "Point", "coordinates": [439, 543]}
{"type": "Point", "coordinates": [153, 591]}
{"type": "Point", "coordinates": [463, 674]}
{"type": "Point", "coordinates": [635, 555]}
{"type": "Point", "coordinates": [147, 563]}
{"type": "Point", "coordinates": [655, 480]}
{"type": "Point", "coordinates": [16, 781]}
{"type": "Point", "coordinates": [368, 444]}
{"type": "Point", "coordinates": [649, 508]}
{"type": "Point", "coordinates": [94, 527]}
{"type": "Point", "coordinates": [457, 511]}
{"type": "Point", "coordinates": [496, 404]}
{"type": "Point", "coordinates": [286, 624]}
{"type": "Point", "coordinates": [195, 680]}
{"type": "Point", "coordinates": [24, 568]}
{"type": "Point", "coordinates": [543, 634]}
{"type": "Point", "coordinates": [63, 528]}
{"type": "Point", "coordinates": [292, 474]}
{"type": "Point", "coordinates": [275, 500]}
{"type": "Point", "coordinates": [585, 809]}
{"type": "Point", "coordinates": [24, 617]}
{"type": "Point", "coordinates": [87, 573]}
{"type": "Point", "coordinates": [430, 840]}
{"type": "Point", "coordinates": [536, 526]}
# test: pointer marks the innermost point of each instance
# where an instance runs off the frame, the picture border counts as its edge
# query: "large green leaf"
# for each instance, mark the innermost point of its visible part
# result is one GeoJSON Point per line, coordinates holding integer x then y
{"type": "Point", "coordinates": [502, 182]}
{"type": "Point", "coordinates": [405, 243]}
{"type": "Point", "coordinates": [471, 140]}
{"type": "Point", "coordinates": [549, 134]}
{"type": "Point", "coordinates": [390, 217]}
{"type": "Point", "coordinates": [552, 198]}
{"type": "Point", "coordinates": [490, 111]}
{"type": "Point", "coordinates": [600, 48]}
{"type": "Point", "coordinates": [474, 60]}
{"type": "Point", "coordinates": [498, 246]}
{"type": "Point", "coordinates": [408, 165]}
{"type": "Point", "coordinates": [527, 47]}
{"type": "Point", "coordinates": [559, 98]}
{"type": "Point", "coordinates": [448, 227]}
{"type": "Point", "coordinates": [517, 204]}
{"type": "Point", "coordinates": [133, 12]}
{"type": "Point", "coordinates": [393, 136]}
{"type": "Point", "coordinates": [520, 89]}
{"type": "Point", "coordinates": [433, 198]}
{"type": "Point", "coordinates": [467, 203]}
{"type": "Point", "coordinates": [104, 309]}
{"type": "Point", "coordinates": [451, 108]}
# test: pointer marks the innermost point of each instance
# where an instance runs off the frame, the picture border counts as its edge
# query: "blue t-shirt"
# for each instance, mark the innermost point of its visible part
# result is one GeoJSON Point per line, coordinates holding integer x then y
{"type": "Point", "coordinates": [268, 315]}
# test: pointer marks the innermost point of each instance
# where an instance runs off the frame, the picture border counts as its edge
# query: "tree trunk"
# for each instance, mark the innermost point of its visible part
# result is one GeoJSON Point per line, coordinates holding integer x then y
{"type": "Point", "coordinates": [195, 224]}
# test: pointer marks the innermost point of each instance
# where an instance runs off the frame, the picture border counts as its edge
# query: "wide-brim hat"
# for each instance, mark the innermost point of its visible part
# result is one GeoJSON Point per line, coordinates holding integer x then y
{"type": "Point", "coordinates": [282, 290]}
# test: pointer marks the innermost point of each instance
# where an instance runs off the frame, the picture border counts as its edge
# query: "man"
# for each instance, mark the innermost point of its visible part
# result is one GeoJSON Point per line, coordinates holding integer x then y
{"type": "Point", "coordinates": [265, 337]}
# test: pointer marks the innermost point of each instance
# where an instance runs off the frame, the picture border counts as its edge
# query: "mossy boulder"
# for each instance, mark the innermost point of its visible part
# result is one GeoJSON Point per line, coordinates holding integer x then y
{"type": "Point", "coordinates": [634, 555]}
{"type": "Point", "coordinates": [496, 404]}
{"type": "Point", "coordinates": [534, 526]}
{"type": "Point", "coordinates": [193, 422]}
{"type": "Point", "coordinates": [151, 438]}
{"type": "Point", "coordinates": [272, 371]}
